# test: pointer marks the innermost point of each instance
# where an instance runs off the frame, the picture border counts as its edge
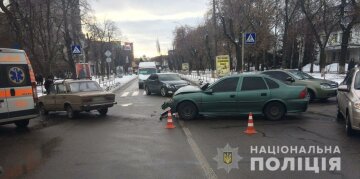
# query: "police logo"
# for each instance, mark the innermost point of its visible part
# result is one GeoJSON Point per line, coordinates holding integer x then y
{"type": "Point", "coordinates": [16, 75]}
{"type": "Point", "coordinates": [227, 158]}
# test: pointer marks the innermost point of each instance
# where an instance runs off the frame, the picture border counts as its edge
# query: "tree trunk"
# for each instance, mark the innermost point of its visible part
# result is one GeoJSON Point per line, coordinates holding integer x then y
{"type": "Point", "coordinates": [344, 49]}
{"type": "Point", "coordinates": [322, 60]}
{"type": "Point", "coordinates": [238, 58]}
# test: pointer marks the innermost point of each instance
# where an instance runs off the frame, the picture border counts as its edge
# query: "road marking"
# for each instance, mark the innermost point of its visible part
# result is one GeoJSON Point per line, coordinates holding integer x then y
{"type": "Point", "coordinates": [135, 93]}
{"type": "Point", "coordinates": [144, 93]}
{"type": "Point", "coordinates": [125, 105]}
{"type": "Point", "coordinates": [124, 94]}
{"type": "Point", "coordinates": [209, 172]}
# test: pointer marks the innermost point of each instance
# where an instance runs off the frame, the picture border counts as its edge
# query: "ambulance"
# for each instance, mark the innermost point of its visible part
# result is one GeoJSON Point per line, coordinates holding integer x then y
{"type": "Point", "coordinates": [18, 94]}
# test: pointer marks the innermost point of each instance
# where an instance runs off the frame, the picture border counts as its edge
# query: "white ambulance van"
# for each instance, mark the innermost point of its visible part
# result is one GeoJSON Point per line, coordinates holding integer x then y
{"type": "Point", "coordinates": [18, 95]}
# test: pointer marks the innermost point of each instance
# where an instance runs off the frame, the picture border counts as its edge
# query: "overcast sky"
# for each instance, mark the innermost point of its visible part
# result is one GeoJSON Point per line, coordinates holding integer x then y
{"type": "Point", "coordinates": [144, 21]}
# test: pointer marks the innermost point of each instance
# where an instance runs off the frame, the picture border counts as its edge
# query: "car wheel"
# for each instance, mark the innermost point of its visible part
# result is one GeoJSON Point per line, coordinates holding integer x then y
{"type": "Point", "coordinates": [70, 112]}
{"type": "Point", "coordinates": [22, 123]}
{"type": "Point", "coordinates": [148, 92]}
{"type": "Point", "coordinates": [348, 128]}
{"type": "Point", "coordinates": [274, 111]}
{"type": "Point", "coordinates": [42, 110]}
{"type": "Point", "coordinates": [163, 92]}
{"type": "Point", "coordinates": [187, 110]}
{"type": "Point", "coordinates": [311, 95]}
{"type": "Point", "coordinates": [339, 115]}
{"type": "Point", "coordinates": [103, 112]}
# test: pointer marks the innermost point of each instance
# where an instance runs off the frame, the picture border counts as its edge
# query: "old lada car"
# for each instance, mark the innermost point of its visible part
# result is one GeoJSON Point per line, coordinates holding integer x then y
{"type": "Point", "coordinates": [74, 96]}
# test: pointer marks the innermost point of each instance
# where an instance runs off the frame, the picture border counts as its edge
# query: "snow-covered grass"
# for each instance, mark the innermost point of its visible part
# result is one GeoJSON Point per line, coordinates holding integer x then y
{"type": "Point", "coordinates": [331, 68]}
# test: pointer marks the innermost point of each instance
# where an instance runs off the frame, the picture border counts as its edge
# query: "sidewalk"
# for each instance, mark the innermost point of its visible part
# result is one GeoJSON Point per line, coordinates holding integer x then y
{"type": "Point", "coordinates": [108, 85]}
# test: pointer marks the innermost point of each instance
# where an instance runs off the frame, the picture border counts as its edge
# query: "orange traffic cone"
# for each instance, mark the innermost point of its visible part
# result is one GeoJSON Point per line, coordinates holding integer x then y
{"type": "Point", "coordinates": [170, 124]}
{"type": "Point", "coordinates": [250, 129]}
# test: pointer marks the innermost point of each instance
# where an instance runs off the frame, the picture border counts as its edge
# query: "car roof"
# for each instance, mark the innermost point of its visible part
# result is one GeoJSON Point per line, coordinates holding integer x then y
{"type": "Point", "coordinates": [10, 50]}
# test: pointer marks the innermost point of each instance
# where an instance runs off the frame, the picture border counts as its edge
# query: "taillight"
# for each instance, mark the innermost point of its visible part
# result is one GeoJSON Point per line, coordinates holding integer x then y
{"type": "Point", "coordinates": [34, 91]}
{"type": "Point", "coordinates": [303, 94]}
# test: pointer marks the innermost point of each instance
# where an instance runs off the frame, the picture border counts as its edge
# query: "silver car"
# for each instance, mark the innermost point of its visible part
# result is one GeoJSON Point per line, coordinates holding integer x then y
{"type": "Point", "coordinates": [348, 99]}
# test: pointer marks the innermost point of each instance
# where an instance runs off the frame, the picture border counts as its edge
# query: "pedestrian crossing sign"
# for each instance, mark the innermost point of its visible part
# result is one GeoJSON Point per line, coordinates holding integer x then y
{"type": "Point", "coordinates": [250, 38]}
{"type": "Point", "coordinates": [76, 49]}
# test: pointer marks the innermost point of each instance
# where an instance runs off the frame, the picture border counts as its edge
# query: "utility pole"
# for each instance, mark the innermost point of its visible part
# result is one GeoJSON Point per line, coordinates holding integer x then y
{"type": "Point", "coordinates": [215, 41]}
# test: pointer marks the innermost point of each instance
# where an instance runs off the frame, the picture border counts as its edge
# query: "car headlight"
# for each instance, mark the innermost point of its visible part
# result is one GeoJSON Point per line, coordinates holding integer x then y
{"type": "Point", "coordinates": [325, 85]}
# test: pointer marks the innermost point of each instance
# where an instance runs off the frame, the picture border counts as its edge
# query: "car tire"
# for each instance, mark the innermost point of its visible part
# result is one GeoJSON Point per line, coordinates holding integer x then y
{"type": "Point", "coordinates": [70, 112]}
{"type": "Point", "coordinates": [42, 110]}
{"type": "Point", "coordinates": [147, 90]}
{"type": "Point", "coordinates": [103, 111]}
{"type": "Point", "coordinates": [163, 92]}
{"type": "Point", "coordinates": [274, 111]}
{"type": "Point", "coordinates": [348, 128]}
{"type": "Point", "coordinates": [187, 110]}
{"type": "Point", "coordinates": [22, 123]}
{"type": "Point", "coordinates": [311, 95]}
{"type": "Point", "coordinates": [338, 114]}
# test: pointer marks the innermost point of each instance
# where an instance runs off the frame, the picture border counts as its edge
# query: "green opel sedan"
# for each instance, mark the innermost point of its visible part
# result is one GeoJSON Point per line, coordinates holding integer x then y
{"type": "Point", "coordinates": [317, 88]}
{"type": "Point", "coordinates": [238, 95]}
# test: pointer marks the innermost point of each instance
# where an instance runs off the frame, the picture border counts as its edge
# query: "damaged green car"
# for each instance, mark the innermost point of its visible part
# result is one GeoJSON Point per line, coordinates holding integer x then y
{"type": "Point", "coordinates": [239, 95]}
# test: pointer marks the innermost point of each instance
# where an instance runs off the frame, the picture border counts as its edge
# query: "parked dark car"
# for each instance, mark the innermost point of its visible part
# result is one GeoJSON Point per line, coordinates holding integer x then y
{"type": "Point", "coordinates": [164, 83]}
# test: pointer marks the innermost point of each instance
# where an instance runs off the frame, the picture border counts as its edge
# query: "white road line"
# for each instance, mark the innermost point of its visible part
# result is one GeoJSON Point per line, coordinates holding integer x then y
{"type": "Point", "coordinates": [209, 172]}
{"type": "Point", "coordinates": [135, 93]}
{"type": "Point", "coordinates": [124, 94]}
{"type": "Point", "coordinates": [144, 93]}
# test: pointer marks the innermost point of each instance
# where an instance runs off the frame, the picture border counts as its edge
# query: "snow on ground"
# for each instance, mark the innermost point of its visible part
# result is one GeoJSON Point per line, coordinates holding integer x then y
{"type": "Point", "coordinates": [108, 85]}
{"type": "Point", "coordinates": [331, 68]}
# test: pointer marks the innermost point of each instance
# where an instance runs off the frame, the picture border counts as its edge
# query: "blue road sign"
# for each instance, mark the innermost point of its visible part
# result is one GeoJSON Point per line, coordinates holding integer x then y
{"type": "Point", "coordinates": [250, 38]}
{"type": "Point", "coordinates": [76, 49]}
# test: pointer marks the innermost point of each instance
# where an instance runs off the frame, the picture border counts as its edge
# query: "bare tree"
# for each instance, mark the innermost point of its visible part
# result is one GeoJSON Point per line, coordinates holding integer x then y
{"type": "Point", "coordinates": [322, 18]}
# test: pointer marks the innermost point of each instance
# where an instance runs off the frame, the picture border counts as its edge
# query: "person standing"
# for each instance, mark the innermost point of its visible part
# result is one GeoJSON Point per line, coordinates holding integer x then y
{"type": "Point", "coordinates": [48, 82]}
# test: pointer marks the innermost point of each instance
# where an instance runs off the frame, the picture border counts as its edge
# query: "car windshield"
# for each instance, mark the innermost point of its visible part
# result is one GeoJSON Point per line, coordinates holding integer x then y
{"type": "Point", "coordinates": [147, 71]}
{"type": "Point", "coordinates": [300, 75]}
{"type": "Point", "coordinates": [169, 77]}
{"type": "Point", "coordinates": [85, 86]}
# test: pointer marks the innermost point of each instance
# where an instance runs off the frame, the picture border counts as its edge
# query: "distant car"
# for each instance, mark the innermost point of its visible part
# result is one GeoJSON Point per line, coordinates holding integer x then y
{"type": "Point", "coordinates": [317, 88]}
{"type": "Point", "coordinates": [74, 96]}
{"type": "Point", "coordinates": [164, 83]}
{"type": "Point", "coordinates": [238, 95]}
{"type": "Point", "coordinates": [348, 101]}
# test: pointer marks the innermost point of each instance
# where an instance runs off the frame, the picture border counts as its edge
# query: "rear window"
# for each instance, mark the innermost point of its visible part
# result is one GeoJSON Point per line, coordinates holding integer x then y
{"type": "Point", "coordinates": [84, 86]}
{"type": "Point", "coordinates": [14, 75]}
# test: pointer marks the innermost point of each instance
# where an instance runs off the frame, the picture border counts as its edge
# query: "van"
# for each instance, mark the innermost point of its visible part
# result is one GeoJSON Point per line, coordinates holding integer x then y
{"type": "Point", "coordinates": [18, 94]}
{"type": "Point", "coordinates": [145, 70]}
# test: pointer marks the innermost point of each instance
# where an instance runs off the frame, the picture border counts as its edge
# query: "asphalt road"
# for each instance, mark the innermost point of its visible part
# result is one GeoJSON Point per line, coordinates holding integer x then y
{"type": "Point", "coordinates": [131, 142]}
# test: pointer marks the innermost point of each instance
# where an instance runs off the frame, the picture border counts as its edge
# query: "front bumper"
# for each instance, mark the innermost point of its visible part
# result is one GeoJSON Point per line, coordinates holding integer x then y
{"type": "Point", "coordinates": [89, 107]}
{"type": "Point", "coordinates": [326, 93]}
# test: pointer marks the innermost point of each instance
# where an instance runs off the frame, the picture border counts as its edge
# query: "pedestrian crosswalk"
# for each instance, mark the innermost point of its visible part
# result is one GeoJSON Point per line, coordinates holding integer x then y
{"type": "Point", "coordinates": [132, 93]}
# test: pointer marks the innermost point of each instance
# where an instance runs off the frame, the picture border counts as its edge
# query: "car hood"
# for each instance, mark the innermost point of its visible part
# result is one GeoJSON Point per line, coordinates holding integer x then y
{"type": "Point", "coordinates": [178, 82]}
{"type": "Point", "coordinates": [187, 89]}
{"type": "Point", "coordinates": [317, 80]}
{"type": "Point", "coordinates": [143, 77]}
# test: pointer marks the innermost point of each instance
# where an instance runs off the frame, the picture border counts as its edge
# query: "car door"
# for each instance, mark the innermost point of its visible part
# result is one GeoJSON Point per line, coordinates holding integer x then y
{"type": "Point", "coordinates": [343, 98]}
{"type": "Point", "coordinates": [60, 96]}
{"type": "Point", "coordinates": [50, 99]}
{"type": "Point", "coordinates": [4, 112]}
{"type": "Point", "coordinates": [253, 94]}
{"type": "Point", "coordinates": [150, 82]}
{"type": "Point", "coordinates": [221, 97]}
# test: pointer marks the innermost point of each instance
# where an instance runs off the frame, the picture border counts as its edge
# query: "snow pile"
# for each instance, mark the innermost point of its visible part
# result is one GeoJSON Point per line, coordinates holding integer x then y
{"type": "Point", "coordinates": [331, 68]}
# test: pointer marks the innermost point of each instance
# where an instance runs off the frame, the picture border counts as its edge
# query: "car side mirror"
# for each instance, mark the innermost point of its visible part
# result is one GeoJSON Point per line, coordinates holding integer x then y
{"type": "Point", "coordinates": [343, 88]}
{"type": "Point", "coordinates": [209, 91]}
{"type": "Point", "coordinates": [204, 86]}
{"type": "Point", "coordinates": [290, 79]}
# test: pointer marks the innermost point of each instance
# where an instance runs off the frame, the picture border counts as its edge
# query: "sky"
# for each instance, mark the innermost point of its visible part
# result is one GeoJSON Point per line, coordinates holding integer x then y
{"type": "Point", "coordinates": [144, 21]}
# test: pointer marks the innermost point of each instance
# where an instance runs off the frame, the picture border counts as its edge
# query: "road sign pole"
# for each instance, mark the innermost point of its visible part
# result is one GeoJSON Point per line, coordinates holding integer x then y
{"type": "Point", "coordinates": [242, 52]}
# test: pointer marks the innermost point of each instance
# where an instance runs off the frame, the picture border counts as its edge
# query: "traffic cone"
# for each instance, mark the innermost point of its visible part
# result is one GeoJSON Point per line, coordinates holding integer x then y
{"type": "Point", "coordinates": [250, 129]}
{"type": "Point", "coordinates": [170, 124]}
